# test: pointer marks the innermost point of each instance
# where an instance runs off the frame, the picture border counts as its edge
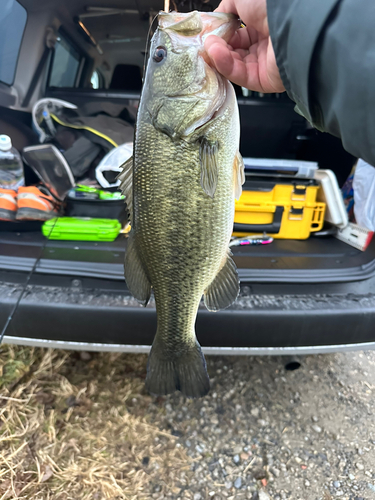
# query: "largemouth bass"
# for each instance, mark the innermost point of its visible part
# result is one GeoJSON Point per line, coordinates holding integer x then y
{"type": "Point", "coordinates": [180, 188]}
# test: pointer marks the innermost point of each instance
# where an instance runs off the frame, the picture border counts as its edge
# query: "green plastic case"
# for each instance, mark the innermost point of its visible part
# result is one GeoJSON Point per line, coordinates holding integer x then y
{"type": "Point", "coordinates": [81, 229]}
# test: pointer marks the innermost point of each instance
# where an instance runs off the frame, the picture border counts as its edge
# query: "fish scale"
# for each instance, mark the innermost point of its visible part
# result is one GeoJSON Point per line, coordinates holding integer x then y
{"type": "Point", "coordinates": [178, 245]}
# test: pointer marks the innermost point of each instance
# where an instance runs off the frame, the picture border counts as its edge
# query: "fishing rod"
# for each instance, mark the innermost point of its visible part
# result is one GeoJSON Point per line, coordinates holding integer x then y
{"type": "Point", "coordinates": [15, 307]}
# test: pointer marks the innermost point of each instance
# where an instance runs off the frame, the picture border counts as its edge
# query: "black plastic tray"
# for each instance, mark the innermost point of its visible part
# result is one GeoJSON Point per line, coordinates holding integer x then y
{"type": "Point", "coordinates": [21, 226]}
{"type": "Point", "coordinates": [102, 209]}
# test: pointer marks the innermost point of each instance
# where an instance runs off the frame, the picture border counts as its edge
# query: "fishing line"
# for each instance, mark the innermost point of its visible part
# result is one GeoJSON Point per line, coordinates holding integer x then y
{"type": "Point", "coordinates": [147, 48]}
{"type": "Point", "coordinates": [14, 310]}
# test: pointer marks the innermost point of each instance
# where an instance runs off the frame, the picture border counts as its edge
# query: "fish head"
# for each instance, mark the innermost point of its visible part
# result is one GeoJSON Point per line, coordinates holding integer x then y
{"type": "Point", "coordinates": [182, 91]}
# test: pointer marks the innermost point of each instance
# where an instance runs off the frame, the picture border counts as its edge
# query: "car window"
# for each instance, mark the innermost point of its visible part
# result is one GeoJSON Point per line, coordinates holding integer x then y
{"type": "Point", "coordinates": [95, 80]}
{"type": "Point", "coordinates": [65, 64]}
{"type": "Point", "coordinates": [12, 24]}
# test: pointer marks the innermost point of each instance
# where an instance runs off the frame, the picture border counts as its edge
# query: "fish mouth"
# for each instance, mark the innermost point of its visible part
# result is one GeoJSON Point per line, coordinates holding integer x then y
{"type": "Point", "coordinates": [191, 29]}
{"type": "Point", "coordinates": [200, 23]}
{"type": "Point", "coordinates": [205, 94]}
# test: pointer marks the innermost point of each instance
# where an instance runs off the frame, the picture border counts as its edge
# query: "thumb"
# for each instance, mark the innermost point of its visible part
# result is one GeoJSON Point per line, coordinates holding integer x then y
{"type": "Point", "coordinates": [230, 64]}
{"type": "Point", "coordinates": [220, 54]}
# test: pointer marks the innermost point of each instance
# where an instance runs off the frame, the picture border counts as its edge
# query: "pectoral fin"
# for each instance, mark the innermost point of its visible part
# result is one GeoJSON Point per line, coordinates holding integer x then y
{"type": "Point", "coordinates": [135, 275]}
{"type": "Point", "coordinates": [126, 186]}
{"type": "Point", "coordinates": [224, 289]}
{"type": "Point", "coordinates": [208, 156]}
{"type": "Point", "coordinates": [239, 175]}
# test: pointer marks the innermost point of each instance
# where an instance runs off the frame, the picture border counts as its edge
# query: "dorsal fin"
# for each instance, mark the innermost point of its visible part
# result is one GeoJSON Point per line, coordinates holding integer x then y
{"type": "Point", "coordinates": [126, 186]}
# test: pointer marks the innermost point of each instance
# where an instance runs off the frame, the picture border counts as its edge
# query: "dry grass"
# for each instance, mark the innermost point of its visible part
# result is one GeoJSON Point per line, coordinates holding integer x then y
{"type": "Point", "coordinates": [75, 429]}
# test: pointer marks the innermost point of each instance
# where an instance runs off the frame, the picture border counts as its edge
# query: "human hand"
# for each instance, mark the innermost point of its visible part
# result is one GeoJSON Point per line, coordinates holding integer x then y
{"type": "Point", "coordinates": [248, 59]}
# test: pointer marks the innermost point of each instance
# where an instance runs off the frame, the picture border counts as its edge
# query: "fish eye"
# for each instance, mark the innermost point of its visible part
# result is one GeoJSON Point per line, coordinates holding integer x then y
{"type": "Point", "coordinates": [159, 54]}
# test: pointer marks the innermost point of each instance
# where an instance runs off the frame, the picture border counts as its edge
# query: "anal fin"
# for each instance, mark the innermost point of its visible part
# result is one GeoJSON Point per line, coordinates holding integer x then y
{"type": "Point", "coordinates": [224, 289]}
{"type": "Point", "coordinates": [135, 275]}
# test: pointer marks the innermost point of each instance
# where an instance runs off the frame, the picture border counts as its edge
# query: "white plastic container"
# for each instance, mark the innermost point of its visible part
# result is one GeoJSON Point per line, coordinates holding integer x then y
{"type": "Point", "coordinates": [290, 168]}
{"type": "Point", "coordinates": [330, 193]}
{"type": "Point", "coordinates": [364, 195]}
{"type": "Point", "coordinates": [11, 166]}
{"type": "Point", "coordinates": [112, 162]}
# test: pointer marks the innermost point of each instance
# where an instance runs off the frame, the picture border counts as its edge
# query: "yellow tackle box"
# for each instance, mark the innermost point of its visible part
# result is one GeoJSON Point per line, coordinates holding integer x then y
{"type": "Point", "coordinates": [282, 207]}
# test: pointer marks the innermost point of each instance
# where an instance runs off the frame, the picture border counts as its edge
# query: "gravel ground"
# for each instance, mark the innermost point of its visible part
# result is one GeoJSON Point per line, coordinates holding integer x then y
{"type": "Point", "coordinates": [268, 433]}
{"type": "Point", "coordinates": [80, 426]}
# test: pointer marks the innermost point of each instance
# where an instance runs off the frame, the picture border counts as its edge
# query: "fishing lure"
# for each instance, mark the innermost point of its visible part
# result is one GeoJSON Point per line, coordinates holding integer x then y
{"type": "Point", "coordinates": [257, 239]}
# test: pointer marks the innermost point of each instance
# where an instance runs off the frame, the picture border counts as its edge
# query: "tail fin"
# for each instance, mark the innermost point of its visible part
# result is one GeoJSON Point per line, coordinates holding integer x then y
{"type": "Point", "coordinates": [185, 372]}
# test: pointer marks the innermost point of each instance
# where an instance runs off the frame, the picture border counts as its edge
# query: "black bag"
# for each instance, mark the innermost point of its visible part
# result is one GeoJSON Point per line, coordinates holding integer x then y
{"type": "Point", "coordinates": [83, 139]}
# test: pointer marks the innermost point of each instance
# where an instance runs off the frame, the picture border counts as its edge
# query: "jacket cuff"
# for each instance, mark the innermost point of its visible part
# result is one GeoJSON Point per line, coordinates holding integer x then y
{"type": "Point", "coordinates": [295, 26]}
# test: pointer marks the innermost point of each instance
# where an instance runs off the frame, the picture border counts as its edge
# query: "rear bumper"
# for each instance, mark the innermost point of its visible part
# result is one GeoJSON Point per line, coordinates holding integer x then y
{"type": "Point", "coordinates": [208, 350]}
{"type": "Point", "coordinates": [266, 319]}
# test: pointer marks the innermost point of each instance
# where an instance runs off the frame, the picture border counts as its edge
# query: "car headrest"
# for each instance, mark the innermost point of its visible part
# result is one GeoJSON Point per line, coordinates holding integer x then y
{"type": "Point", "coordinates": [126, 77]}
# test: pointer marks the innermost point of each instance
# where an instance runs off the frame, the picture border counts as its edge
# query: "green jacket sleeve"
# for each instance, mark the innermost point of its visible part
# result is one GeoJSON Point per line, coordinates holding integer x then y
{"type": "Point", "coordinates": [325, 51]}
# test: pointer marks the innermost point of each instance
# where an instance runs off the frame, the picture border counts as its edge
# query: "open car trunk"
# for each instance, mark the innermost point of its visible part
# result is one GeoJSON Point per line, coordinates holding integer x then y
{"type": "Point", "coordinates": [269, 128]}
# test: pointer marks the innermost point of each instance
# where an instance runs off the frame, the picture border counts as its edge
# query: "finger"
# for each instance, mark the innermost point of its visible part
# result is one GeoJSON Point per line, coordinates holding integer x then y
{"type": "Point", "coordinates": [240, 39]}
{"type": "Point", "coordinates": [236, 51]}
{"type": "Point", "coordinates": [244, 37]}
{"type": "Point", "coordinates": [211, 39]}
{"type": "Point", "coordinates": [227, 6]}
{"type": "Point", "coordinates": [233, 67]}
{"type": "Point", "coordinates": [252, 13]}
